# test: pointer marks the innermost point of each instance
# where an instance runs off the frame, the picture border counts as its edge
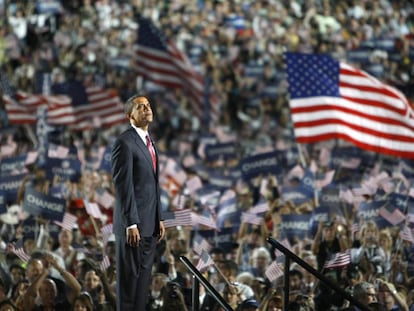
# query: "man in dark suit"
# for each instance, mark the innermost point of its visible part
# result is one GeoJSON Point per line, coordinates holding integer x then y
{"type": "Point", "coordinates": [137, 223]}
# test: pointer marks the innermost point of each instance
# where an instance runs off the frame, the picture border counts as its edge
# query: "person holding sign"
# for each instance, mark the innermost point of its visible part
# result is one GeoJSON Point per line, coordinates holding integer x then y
{"type": "Point", "coordinates": [137, 214]}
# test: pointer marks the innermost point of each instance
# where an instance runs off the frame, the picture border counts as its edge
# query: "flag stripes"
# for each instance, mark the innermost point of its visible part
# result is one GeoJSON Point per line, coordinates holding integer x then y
{"type": "Point", "coordinates": [330, 100]}
{"type": "Point", "coordinates": [273, 271]}
{"type": "Point", "coordinates": [103, 107]}
{"type": "Point", "coordinates": [340, 259]}
{"type": "Point", "coordinates": [204, 262]}
{"type": "Point", "coordinates": [177, 218]}
{"type": "Point", "coordinates": [251, 218]}
{"type": "Point", "coordinates": [105, 263]}
{"type": "Point", "coordinates": [393, 215]}
{"type": "Point", "coordinates": [68, 222]}
{"type": "Point", "coordinates": [18, 249]}
{"type": "Point", "coordinates": [160, 61]}
{"type": "Point", "coordinates": [200, 244]}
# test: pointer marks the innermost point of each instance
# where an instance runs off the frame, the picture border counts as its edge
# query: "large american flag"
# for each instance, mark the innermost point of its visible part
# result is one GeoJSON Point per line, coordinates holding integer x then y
{"type": "Point", "coordinates": [104, 108]}
{"type": "Point", "coordinates": [160, 61]}
{"type": "Point", "coordinates": [330, 99]}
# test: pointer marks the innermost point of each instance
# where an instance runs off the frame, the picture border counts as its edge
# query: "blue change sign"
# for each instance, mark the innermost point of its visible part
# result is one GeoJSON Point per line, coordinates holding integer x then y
{"type": "Point", "coordinates": [295, 226]}
{"type": "Point", "coordinates": [10, 185]}
{"type": "Point", "coordinates": [68, 169]}
{"type": "Point", "coordinates": [264, 163]}
{"type": "Point", "coordinates": [39, 204]}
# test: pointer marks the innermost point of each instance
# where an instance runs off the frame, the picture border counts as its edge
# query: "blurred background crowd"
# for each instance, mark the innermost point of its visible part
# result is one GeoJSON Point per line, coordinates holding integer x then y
{"type": "Point", "coordinates": [237, 46]}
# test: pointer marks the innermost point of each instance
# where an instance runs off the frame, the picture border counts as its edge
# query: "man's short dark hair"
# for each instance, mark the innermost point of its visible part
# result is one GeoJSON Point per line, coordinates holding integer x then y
{"type": "Point", "coordinates": [130, 103]}
{"type": "Point", "coordinates": [361, 288]}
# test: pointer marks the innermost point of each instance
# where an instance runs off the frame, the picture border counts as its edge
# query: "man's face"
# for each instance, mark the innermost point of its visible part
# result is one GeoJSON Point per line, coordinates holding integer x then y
{"type": "Point", "coordinates": [65, 238]}
{"type": "Point", "coordinates": [295, 282]}
{"type": "Point", "coordinates": [370, 296]}
{"type": "Point", "coordinates": [157, 283]}
{"type": "Point", "coordinates": [34, 270]}
{"type": "Point", "coordinates": [47, 292]}
{"type": "Point", "coordinates": [91, 281]}
{"type": "Point", "coordinates": [141, 115]}
{"type": "Point", "coordinates": [260, 261]}
{"type": "Point", "coordinates": [17, 274]}
{"type": "Point", "coordinates": [329, 233]}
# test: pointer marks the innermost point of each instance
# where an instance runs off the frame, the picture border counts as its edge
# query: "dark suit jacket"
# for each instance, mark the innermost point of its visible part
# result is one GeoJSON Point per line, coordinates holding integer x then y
{"type": "Point", "coordinates": [136, 186]}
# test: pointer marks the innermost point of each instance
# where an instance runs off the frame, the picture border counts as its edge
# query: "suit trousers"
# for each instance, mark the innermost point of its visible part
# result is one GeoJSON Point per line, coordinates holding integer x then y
{"type": "Point", "coordinates": [133, 273]}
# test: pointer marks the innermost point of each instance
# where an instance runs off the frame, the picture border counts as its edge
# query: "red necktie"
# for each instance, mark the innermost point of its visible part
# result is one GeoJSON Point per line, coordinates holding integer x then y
{"type": "Point", "coordinates": [152, 152]}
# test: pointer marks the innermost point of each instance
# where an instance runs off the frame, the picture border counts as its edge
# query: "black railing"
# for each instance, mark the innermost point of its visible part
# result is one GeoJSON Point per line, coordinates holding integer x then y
{"type": "Point", "coordinates": [197, 279]}
{"type": "Point", "coordinates": [291, 256]}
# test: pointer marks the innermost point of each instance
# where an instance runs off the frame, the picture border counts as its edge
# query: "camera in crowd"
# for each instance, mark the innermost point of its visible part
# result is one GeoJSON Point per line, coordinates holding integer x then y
{"type": "Point", "coordinates": [173, 289]}
{"type": "Point", "coordinates": [174, 299]}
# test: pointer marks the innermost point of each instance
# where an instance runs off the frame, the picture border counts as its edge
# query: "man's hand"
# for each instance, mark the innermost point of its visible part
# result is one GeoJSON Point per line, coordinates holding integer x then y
{"type": "Point", "coordinates": [162, 231]}
{"type": "Point", "coordinates": [50, 261]}
{"type": "Point", "coordinates": [133, 237]}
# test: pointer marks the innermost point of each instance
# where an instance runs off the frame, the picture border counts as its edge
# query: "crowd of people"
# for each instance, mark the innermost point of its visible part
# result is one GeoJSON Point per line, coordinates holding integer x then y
{"type": "Point", "coordinates": [238, 46]}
